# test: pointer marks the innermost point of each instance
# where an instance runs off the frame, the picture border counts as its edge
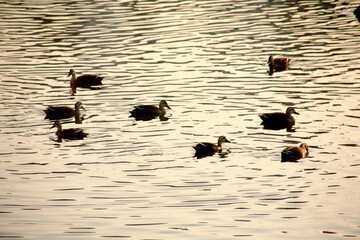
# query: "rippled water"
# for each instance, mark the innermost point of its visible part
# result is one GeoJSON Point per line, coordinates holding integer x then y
{"type": "Point", "coordinates": [139, 179]}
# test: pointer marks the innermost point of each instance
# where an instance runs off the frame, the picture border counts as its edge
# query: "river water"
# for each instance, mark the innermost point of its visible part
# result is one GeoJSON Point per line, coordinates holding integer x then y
{"type": "Point", "coordinates": [139, 179]}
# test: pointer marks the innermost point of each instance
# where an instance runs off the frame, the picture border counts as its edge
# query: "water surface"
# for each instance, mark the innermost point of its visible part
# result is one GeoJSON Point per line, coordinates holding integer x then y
{"type": "Point", "coordinates": [139, 179]}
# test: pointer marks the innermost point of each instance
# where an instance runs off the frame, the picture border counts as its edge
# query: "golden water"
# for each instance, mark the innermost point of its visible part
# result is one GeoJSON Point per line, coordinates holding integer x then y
{"type": "Point", "coordinates": [139, 180]}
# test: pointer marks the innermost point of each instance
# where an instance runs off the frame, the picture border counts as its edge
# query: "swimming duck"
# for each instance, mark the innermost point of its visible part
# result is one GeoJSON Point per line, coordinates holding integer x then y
{"type": "Point", "coordinates": [278, 64]}
{"type": "Point", "coordinates": [84, 81]}
{"type": "Point", "coordinates": [71, 133]}
{"type": "Point", "coordinates": [278, 119]}
{"type": "Point", "coordinates": [148, 112]}
{"type": "Point", "coordinates": [61, 112]}
{"type": "Point", "coordinates": [357, 13]}
{"type": "Point", "coordinates": [292, 154]}
{"type": "Point", "coordinates": [204, 149]}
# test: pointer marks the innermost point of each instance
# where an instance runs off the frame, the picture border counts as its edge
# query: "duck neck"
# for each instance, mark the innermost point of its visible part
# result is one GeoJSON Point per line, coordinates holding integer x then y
{"type": "Point", "coordinates": [220, 144]}
{"type": "Point", "coordinates": [78, 119]}
{"type": "Point", "coordinates": [305, 151]}
{"type": "Point", "coordinates": [162, 109]}
{"type": "Point", "coordinates": [73, 78]}
{"type": "Point", "coordinates": [77, 109]}
{"type": "Point", "coordinates": [59, 129]}
{"type": "Point", "coordinates": [271, 62]}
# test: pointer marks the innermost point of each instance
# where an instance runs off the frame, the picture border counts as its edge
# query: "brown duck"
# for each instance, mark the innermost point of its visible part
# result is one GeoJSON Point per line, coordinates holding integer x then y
{"type": "Point", "coordinates": [83, 81]}
{"type": "Point", "coordinates": [61, 112]}
{"type": "Point", "coordinates": [148, 112]}
{"type": "Point", "coordinates": [292, 153]}
{"type": "Point", "coordinates": [281, 63]}
{"type": "Point", "coordinates": [204, 149]}
{"type": "Point", "coordinates": [71, 133]}
{"type": "Point", "coordinates": [278, 64]}
{"type": "Point", "coordinates": [279, 120]}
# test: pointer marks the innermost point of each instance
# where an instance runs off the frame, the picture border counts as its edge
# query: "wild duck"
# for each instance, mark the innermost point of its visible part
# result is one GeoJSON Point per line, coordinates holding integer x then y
{"type": "Point", "coordinates": [71, 133]}
{"type": "Point", "coordinates": [292, 153]}
{"type": "Point", "coordinates": [357, 13]}
{"type": "Point", "coordinates": [279, 119]}
{"type": "Point", "coordinates": [61, 112]}
{"type": "Point", "coordinates": [204, 149]}
{"type": "Point", "coordinates": [84, 81]}
{"type": "Point", "coordinates": [277, 64]}
{"type": "Point", "coordinates": [148, 112]}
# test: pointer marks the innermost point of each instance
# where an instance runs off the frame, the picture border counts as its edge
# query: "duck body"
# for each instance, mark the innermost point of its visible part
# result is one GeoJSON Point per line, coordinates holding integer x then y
{"type": "Point", "coordinates": [278, 64]}
{"type": "Point", "coordinates": [70, 133]}
{"type": "Point", "coordinates": [278, 120]}
{"type": "Point", "coordinates": [204, 149]}
{"type": "Point", "coordinates": [61, 112]}
{"type": "Point", "coordinates": [292, 153]}
{"type": "Point", "coordinates": [148, 112]}
{"type": "Point", "coordinates": [357, 13]}
{"type": "Point", "coordinates": [84, 81]}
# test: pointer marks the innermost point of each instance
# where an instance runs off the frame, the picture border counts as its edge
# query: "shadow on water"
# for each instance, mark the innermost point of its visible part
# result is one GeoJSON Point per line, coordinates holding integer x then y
{"type": "Point", "coordinates": [149, 117]}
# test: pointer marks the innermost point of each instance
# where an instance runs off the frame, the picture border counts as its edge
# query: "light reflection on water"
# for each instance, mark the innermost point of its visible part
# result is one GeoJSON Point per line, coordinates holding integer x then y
{"type": "Point", "coordinates": [138, 180]}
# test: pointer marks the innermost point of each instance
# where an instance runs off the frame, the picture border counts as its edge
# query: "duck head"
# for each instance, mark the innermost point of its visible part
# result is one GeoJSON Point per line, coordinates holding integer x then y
{"type": "Point", "coordinates": [271, 60]}
{"type": "Point", "coordinates": [71, 73]}
{"type": "Point", "coordinates": [79, 105]}
{"type": "Point", "coordinates": [291, 110]}
{"type": "Point", "coordinates": [306, 147]}
{"type": "Point", "coordinates": [163, 104]}
{"type": "Point", "coordinates": [57, 124]}
{"type": "Point", "coordinates": [222, 139]}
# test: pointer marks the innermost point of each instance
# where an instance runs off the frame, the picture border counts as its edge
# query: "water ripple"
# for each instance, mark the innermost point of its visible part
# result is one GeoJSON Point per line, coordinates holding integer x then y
{"type": "Point", "coordinates": [208, 59]}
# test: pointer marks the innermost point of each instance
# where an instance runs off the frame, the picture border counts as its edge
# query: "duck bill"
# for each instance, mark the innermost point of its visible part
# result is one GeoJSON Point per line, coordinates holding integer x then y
{"type": "Point", "coordinates": [297, 113]}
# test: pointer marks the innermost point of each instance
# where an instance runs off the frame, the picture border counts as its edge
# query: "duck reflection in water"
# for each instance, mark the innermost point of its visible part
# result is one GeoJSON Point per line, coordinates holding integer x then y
{"type": "Point", "coordinates": [62, 112]}
{"type": "Point", "coordinates": [84, 81]}
{"type": "Point", "coordinates": [70, 134]}
{"type": "Point", "coordinates": [149, 112]}
{"type": "Point", "coordinates": [277, 64]}
{"type": "Point", "coordinates": [293, 154]}
{"type": "Point", "coordinates": [205, 149]}
{"type": "Point", "coordinates": [279, 120]}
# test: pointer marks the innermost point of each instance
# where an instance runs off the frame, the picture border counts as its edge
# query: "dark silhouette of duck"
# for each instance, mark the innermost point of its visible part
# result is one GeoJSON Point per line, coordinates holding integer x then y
{"type": "Point", "coordinates": [84, 81]}
{"type": "Point", "coordinates": [357, 13]}
{"type": "Point", "coordinates": [70, 133]}
{"type": "Point", "coordinates": [148, 112]}
{"type": "Point", "coordinates": [277, 64]}
{"type": "Point", "coordinates": [293, 154]}
{"type": "Point", "coordinates": [278, 120]}
{"type": "Point", "coordinates": [61, 112]}
{"type": "Point", "coordinates": [204, 149]}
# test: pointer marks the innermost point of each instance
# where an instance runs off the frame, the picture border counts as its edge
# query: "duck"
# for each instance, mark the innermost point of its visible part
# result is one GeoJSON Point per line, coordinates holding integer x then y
{"type": "Point", "coordinates": [148, 112]}
{"type": "Point", "coordinates": [204, 149]}
{"type": "Point", "coordinates": [357, 13]}
{"type": "Point", "coordinates": [84, 81]}
{"type": "Point", "coordinates": [278, 120]}
{"type": "Point", "coordinates": [293, 153]}
{"type": "Point", "coordinates": [278, 64]}
{"type": "Point", "coordinates": [70, 133]}
{"type": "Point", "coordinates": [61, 112]}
